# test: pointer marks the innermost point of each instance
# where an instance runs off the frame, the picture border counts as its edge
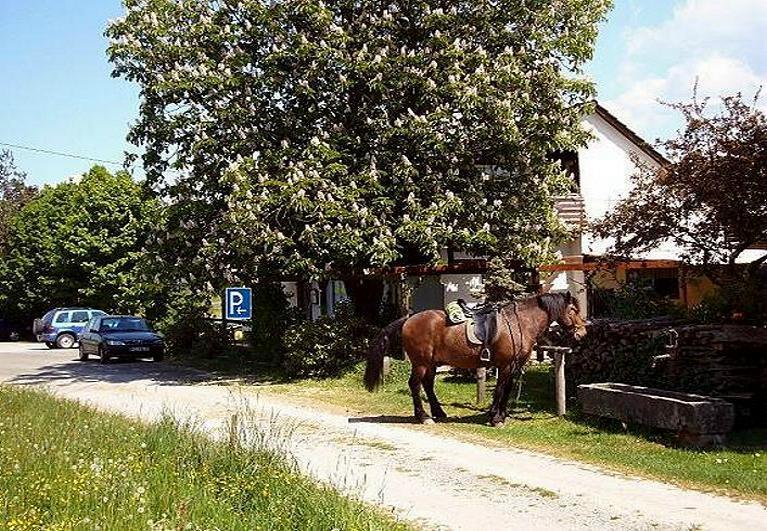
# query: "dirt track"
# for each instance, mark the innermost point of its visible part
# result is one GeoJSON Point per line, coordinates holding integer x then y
{"type": "Point", "coordinates": [435, 481]}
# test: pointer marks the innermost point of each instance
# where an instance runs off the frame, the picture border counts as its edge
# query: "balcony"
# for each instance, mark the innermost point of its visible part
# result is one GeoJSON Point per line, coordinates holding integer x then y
{"type": "Point", "coordinates": [571, 211]}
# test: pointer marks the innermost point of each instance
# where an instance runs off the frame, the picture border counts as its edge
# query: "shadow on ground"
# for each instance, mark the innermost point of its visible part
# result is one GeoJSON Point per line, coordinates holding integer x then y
{"type": "Point", "coordinates": [117, 371]}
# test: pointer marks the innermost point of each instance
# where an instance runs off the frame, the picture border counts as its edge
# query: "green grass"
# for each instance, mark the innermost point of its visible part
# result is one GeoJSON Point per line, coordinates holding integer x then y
{"type": "Point", "coordinates": [66, 466]}
{"type": "Point", "coordinates": [540, 491]}
{"type": "Point", "coordinates": [740, 469]}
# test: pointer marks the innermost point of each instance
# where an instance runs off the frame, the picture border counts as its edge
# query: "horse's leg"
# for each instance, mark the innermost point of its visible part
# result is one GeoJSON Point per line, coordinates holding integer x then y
{"type": "Point", "coordinates": [416, 376]}
{"type": "Point", "coordinates": [428, 384]}
{"type": "Point", "coordinates": [497, 414]}
{"type": "Point", "coordinates": [511, 387]}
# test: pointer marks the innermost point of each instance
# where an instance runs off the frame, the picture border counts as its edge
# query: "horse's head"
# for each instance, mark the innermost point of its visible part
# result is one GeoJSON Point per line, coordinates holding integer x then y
{"type": "Point", "coordinates": [564, 309]}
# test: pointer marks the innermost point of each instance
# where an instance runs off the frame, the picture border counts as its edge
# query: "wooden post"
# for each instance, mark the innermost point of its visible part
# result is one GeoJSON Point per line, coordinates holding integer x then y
{"type": "Point", "coordinates": [559, 381]}
{"type": "Point", "coordinates": [481, 384]}
{"type": "Point", "coordinates": [234, 436]}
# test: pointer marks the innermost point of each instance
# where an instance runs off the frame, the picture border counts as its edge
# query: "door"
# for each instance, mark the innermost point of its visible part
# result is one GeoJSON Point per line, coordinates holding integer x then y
{"type": "Point", "coordinates": [429, 295]}
{"type": "Point", "coordinates": [89, 336]}
{"type": "Point", "coordinates": [78, 320]}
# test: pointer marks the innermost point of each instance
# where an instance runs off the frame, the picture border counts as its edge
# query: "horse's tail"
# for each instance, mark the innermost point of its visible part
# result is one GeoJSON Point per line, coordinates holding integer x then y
{"type": "Point", "coordinates": [389, 335]}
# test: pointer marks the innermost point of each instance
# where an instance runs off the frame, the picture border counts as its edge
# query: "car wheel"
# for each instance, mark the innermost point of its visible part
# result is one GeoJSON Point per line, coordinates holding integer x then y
{"type": "Point", "coordinates": [158, 357]}
{"type": "Point", "coordinates": [50, 345]}
{"type": "Point", "coordinates": [65, 341]}
{"type": "Point", "coordinates": [83, 354]}
{"type": "Point", "coordinates": [103, 356]}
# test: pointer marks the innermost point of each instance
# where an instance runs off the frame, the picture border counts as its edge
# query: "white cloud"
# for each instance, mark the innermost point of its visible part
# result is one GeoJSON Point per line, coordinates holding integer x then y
{"type": "Point", "coordinates": [720, 43]}
{"type": "Point", "coordinates": [716, 75]}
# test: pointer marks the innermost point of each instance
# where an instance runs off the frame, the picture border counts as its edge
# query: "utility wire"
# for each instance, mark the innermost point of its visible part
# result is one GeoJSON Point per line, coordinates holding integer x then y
{"type": "Point", "coordinates": [59, 153]}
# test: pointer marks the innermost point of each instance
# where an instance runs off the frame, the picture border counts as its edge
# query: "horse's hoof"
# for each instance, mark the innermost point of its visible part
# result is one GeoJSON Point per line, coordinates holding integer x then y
{"type": "Point", "coordinates": [496, 423]}
{"type": "Point", "coordinates": [427, 421]}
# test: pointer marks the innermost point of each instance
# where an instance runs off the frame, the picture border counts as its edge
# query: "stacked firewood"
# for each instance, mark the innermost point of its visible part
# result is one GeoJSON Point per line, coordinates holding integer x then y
{"type": "Point", "coordinates": [621, 351]}
{"type": "Point", "coordinates": [727, 361]}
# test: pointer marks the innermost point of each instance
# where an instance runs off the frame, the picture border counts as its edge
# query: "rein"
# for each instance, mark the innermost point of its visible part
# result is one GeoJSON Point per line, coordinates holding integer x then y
{"type": "Point", "coordinates": [511, 332]}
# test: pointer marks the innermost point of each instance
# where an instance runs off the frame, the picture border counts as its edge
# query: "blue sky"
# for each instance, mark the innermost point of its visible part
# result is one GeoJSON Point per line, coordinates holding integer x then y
{"type": "Point", "coordinates": [57, 93]}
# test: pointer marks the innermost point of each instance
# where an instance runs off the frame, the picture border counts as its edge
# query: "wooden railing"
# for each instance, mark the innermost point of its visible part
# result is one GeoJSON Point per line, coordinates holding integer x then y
{"type": "Point", "coordinates": [571, 211]}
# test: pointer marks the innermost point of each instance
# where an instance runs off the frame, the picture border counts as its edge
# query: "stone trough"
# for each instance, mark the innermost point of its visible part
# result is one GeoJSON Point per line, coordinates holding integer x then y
{"type": "Point", "coordinates": [699, 421]}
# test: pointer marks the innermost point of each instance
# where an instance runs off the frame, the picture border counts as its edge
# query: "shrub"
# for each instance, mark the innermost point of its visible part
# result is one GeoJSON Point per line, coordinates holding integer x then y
{"type": "Point", "coordinates": [738, 301]}
{"type": "Point", "coordinates": [272, 316]}
{"type": "Point", "coordinates": [632, 300]}
{"type": "Point", "coordinates": [328, 346]}
{"type": "Point", "coordinates": [188, 330]}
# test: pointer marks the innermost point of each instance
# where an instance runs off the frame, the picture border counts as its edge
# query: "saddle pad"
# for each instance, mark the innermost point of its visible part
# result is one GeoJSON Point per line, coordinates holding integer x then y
{"type": "Point", "coordinates": [471, 335]}
{"type": "Point", "coordinates": [455, 313]}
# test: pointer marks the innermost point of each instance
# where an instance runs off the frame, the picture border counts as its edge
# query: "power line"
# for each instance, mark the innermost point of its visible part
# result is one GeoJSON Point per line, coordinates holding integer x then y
{"type": "Point", "coordinates": [59, 153]}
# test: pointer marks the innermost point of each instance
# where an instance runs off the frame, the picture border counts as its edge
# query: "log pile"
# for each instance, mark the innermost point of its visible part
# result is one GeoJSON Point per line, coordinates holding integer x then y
{"type": "Point", "coordinates": [619, 351]}
{"type": "Point", "coordinates": [726, 361]}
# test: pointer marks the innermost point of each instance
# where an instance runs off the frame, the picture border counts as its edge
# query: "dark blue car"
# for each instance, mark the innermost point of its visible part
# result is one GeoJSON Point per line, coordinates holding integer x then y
{"type": "Point", "coordinates": [120, 336]}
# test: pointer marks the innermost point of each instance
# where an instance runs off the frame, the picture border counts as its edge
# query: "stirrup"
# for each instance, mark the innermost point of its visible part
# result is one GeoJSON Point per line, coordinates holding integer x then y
{"type": "Point", "coordinates": [484, 354]}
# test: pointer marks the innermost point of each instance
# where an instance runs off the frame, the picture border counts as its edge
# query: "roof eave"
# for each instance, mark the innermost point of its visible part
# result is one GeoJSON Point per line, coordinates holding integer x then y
{"type": "Point", "coordinates": [634, 138]}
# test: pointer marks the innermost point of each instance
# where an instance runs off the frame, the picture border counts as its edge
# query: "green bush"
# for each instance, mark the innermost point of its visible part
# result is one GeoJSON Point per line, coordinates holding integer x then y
{"type": "Point", "coordinates": [272, 316]}
{"type": "Point", "coordinates": [188, 331]}
{"type": "Point", "coordinates": [633, 300]}
{"type": "Point", "coordinates": [742, 301]}
{"type": "Point", "coordinates": [326, 347]}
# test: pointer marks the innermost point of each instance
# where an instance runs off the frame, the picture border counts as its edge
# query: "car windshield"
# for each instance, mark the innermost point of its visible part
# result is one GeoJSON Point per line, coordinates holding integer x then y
{"type": "Point", "coordinates": [124, 324]}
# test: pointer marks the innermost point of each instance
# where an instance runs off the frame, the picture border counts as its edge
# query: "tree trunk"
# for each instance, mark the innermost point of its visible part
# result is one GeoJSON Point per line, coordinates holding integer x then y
{"type": "Point", "coordinates": [365, 293]}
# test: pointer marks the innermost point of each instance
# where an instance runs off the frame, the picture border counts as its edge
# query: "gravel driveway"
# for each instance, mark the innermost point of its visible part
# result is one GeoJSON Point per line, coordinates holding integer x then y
{"type": "Point", "coordinates": [434, 481]}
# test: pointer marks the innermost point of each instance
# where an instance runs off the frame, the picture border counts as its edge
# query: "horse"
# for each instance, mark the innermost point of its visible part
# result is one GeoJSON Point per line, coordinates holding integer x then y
{"type": "Point", "coordinates": [430, 340]}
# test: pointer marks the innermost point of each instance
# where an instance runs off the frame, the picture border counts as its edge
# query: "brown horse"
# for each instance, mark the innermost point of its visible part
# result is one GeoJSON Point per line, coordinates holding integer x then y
{"type": "Point", "coordinates": [429, 341]}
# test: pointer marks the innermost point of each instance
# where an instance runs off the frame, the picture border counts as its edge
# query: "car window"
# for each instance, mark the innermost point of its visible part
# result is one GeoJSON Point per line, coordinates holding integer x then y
{"type": "Point", "coordinates": [48, 317]}
{"type": "Point", "coordinates": [91, 325]}
{"type": "Point", "coordinates": [97, 313]}
{"type": "Point", "coordinates": [79, 317]}
{"type": "Point", "coordinates": [124, 324]}
{"type": "Point", "coordinates": [63, 317]}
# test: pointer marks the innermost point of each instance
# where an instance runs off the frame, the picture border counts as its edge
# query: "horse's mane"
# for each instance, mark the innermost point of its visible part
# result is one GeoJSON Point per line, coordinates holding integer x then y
{"type": "Point", "coordinates": [554, 304]}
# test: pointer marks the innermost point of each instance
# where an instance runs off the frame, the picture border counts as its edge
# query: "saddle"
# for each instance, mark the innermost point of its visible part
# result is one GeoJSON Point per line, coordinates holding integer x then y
{"type": "Point", "coordinates": [481, 324]}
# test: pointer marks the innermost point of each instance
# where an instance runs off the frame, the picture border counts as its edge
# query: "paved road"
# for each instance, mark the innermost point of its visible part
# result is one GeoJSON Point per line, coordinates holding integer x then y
{"type": "Point", "coordinates": [435, 481]}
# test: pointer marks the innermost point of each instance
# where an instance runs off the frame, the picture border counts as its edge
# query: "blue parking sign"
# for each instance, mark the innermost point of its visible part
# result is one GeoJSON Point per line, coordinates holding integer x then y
{"type": "Point", "coordinates": [238, 304]}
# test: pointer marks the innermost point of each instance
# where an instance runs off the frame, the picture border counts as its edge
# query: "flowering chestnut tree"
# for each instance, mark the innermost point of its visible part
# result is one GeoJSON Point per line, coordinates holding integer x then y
{"type": "Point", "coordinates": [310, 137]}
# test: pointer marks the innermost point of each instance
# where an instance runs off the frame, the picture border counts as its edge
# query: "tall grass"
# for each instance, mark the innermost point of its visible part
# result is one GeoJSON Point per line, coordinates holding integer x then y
{"type": "Point", "coordinates": [65, 466]}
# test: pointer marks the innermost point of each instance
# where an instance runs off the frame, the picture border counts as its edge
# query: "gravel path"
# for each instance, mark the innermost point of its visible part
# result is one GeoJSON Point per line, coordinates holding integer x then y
{"type": "Point", "coordinates": [432, 480]}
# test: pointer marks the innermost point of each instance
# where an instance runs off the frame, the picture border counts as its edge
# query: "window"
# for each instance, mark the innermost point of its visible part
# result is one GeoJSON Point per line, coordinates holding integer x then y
{"type": "Point", "coordinates": [664, 281]}
{"type": "Point", "coordinates": [97, 313]}
{"type": "Point", "coordinates": [569, 162]}
{"type": "Point", "coordinates": [63, 317]}
{"type": "Point", "coordinates": [79, 317]}
{"type": "Point", "coordinates": [124, 324]}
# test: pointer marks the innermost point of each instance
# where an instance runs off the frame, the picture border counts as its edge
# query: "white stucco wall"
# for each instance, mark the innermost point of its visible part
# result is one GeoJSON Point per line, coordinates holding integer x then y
{"type": "Point", "coordinates": [605, 171]}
